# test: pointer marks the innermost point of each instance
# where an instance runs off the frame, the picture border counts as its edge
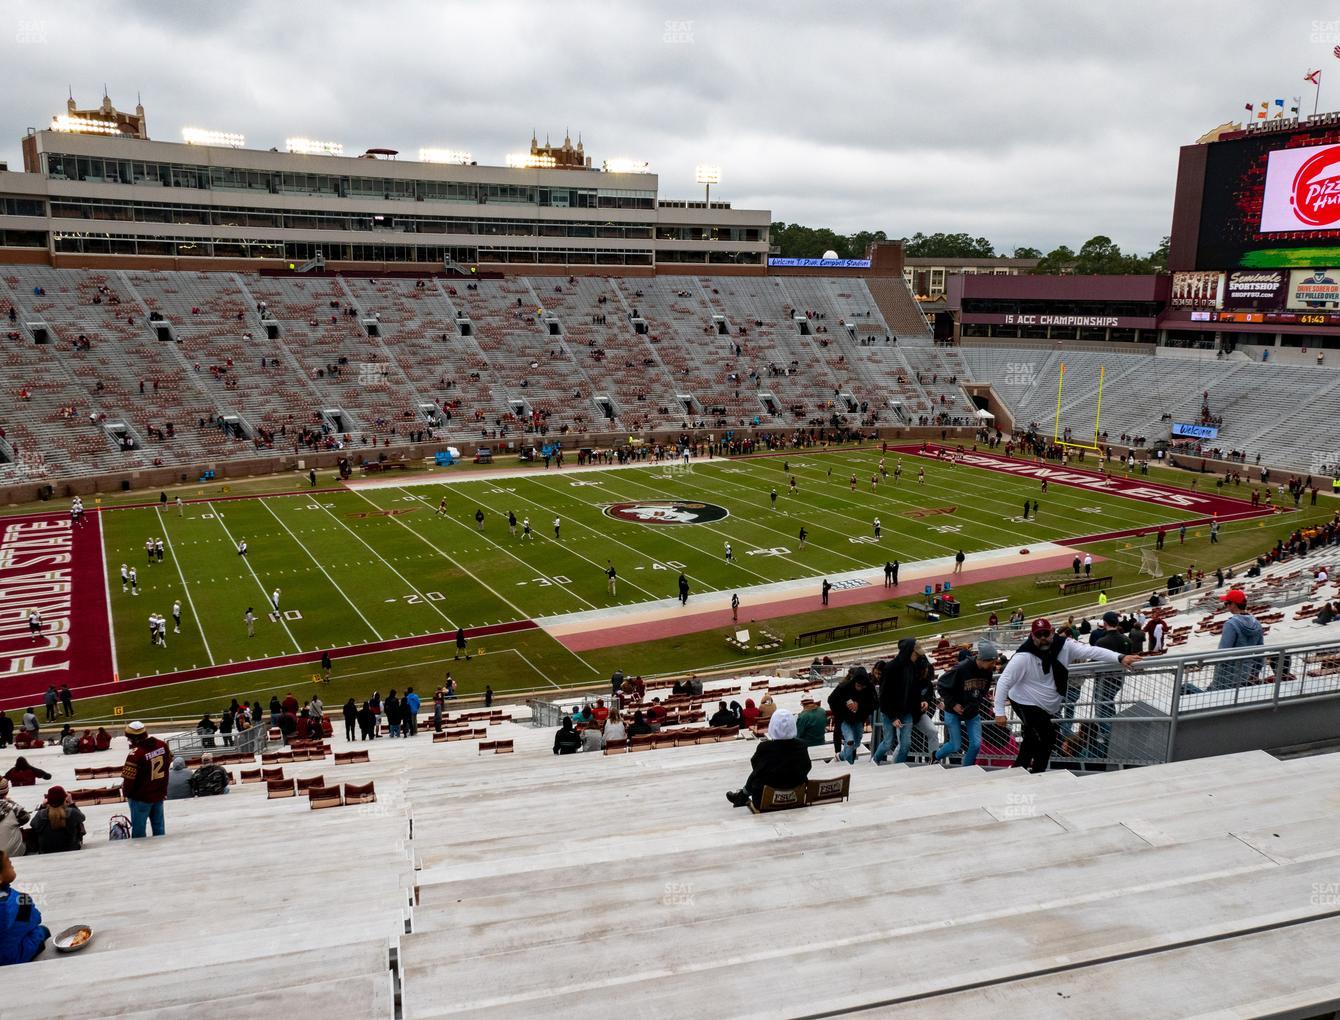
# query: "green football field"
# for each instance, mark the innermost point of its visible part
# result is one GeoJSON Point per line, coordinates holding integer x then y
{"type": "Point", "coordinates": [379, 565]}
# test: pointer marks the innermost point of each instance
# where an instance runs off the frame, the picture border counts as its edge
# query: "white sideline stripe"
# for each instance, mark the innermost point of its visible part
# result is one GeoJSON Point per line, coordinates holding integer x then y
{"type": "Point", "coordinates": [199, 624]}
{"type": "Point", "coordinates": [107, 585]}
{"type": "Point", "coordinates": [392, 569]}
{"type": "Point", "coordinates": [264, 594]}
{"type": "Point", "coordinates": [484, 476]}
{"type": "Point", "coordinates": [909, 574]}
{"type": "Point", "coordinates": [319, 567]}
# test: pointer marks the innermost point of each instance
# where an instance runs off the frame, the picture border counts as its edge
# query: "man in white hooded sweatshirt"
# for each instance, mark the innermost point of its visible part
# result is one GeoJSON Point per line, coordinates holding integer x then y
{"type": "Point", "coordinates": [1034, 685]}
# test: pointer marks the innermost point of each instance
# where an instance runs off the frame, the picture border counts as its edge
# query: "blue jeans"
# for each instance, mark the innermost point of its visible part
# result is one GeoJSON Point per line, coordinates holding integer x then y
{"type": "Point", "coordinates": [852, 732]}
{"type": "Point", "coordinates": [902, 734]}
{"type": "Point", "coordinates": [394, 728]}
{"type": "Point", "coordinates": [955, 727]}
{"type": "Point", "coordinates": [142, 811]}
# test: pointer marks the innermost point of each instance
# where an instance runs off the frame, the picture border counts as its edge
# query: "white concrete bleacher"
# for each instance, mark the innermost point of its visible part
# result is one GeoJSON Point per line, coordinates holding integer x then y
{"type": "Point", "coordinates": [639, 889]}
{"type": "Point", "coordinates": [571, 884]}
{"type": "Point", "coordinates": [245, 903]}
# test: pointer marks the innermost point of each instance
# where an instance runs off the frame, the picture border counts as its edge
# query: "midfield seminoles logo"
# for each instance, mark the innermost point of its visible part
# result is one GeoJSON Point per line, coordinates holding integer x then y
{"type": "Point", "coordinates": [666, 512]}
{"type": "Point", "coordinates": [1316, 188]}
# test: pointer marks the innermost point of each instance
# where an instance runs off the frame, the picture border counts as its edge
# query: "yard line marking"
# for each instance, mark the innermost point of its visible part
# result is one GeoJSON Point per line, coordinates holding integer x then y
{"type": "Point", "coordinates": [1066, 500]}
{"type": "Point", "coordinates": [437, 609]}
{"type": "Point", "coordinates": [264, 594]}
{"type": "Point", "coordinates": [576, 523]}
{"type": "Point", "coordinates": [199, 623]}
{"type": "Point", "coordinates": [758, 522]}
{"type": "Point", "coordinates": [502, 548]}
{"type": "Point", "coordinates": [319, 567]}
{"type": "Point", "coordinates": [532, 666]}
{"type": "Point", "coordinates": [441, 552]}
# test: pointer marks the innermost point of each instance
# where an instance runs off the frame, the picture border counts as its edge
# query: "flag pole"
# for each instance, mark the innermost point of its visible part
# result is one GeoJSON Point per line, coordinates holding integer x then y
{"type": "Point", "coordinates": [1316, 94]}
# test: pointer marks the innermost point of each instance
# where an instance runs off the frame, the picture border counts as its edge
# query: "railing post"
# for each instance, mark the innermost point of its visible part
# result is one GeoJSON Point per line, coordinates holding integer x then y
{"type": "Point", "coordinates": [1178, 678]}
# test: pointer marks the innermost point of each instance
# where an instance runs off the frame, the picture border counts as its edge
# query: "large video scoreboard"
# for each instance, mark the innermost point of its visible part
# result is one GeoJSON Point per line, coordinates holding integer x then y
{"type": "Point", "coordinates": [1261, 200]}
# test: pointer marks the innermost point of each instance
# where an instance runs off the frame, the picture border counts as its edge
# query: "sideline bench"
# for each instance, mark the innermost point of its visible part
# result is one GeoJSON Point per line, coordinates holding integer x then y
{"type": "Point", "coordinates": [1084, 584]}
{"type": "Point", "coordinates": [814, 637]}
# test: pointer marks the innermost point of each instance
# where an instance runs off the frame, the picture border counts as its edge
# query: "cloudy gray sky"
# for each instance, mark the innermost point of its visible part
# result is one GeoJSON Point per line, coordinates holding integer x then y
{"type": "Point", "coordinates": [1031, 122]}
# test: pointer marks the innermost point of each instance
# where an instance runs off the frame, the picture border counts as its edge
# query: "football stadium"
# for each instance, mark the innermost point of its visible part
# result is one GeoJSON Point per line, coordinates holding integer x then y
{"type": "Point", "coordinates": [401, 557]}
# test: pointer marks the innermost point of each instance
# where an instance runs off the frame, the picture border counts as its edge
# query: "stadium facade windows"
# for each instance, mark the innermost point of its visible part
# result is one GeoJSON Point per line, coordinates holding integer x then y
{"type": "Point", "coordinates": [95, 195]}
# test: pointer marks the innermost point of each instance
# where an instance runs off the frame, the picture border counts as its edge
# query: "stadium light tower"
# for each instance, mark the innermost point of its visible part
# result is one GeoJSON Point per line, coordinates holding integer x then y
{"type": "Point", "coordinates": [203, 136]}
{"type": "Point", "coordinates": [707, 174]}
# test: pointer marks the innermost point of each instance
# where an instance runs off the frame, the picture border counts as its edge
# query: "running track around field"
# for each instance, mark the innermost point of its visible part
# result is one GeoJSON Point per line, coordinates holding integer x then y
{"type": "Point", "coordinates": [583, 632]}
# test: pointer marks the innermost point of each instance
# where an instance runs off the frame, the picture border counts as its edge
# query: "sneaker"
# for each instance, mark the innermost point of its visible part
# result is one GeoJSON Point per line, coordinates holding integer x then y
{"type": "Point", "coordinates": [737, 797]}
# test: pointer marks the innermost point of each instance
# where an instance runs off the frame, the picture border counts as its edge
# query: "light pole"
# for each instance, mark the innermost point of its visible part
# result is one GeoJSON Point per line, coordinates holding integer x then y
{"type": "Point", "coordinates": [707, 174]}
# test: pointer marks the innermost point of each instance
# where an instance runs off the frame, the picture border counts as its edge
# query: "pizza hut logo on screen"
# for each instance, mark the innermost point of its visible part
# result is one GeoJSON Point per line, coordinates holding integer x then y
{"type": "Point", "coordinates": [1316, 188]}
{"type": "Point", "coordinates": [1302, 190]}
{"type": "Point", "coordinates": [664, 511]}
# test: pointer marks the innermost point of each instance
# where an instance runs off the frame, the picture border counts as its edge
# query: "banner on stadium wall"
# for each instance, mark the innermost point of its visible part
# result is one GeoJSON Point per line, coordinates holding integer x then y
{"type": "Point", "coordinates": [822, 263]}
{"type": "Point", "coordinates": [1314, 288]}
{"type": "Point", "coordinates": [1195, 431]}
{"type": "Point", "coordinates": [1197, 290]}
{"type": "Point", "coordinates": [1256, 288]}
{"type": "Point", "coordinates": [1040, 319]}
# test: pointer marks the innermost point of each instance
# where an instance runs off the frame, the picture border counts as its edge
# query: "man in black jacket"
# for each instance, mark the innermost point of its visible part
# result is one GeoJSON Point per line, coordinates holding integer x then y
{"type": "Point", "coordinates": [567, 740]}
{"type": "Point", "coordinates": [1106, 686]}
{"type": "Point", "coordinates": [782, 761]}
{"type": "Point", "coordinates": [905, 693]}
{"type": "Point", "coordinates": [852, 701]}
{"type": "Point", "coordinates": [723, 717]}
{"type": "Point", "coordinates": [964, 689]}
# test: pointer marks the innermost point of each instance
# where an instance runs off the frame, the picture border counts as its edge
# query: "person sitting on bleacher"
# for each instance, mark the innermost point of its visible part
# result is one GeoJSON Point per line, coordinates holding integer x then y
{"type": "Point", "coordinates": [23, 774]}
{"type": "Point", "coordinates": [811, 724]}
{"type": "Point", "coordinates": [656, 715]}
{"type": "Point", "coordinates": [288, 726]}
{"type": "Point", "coordinates": [600, 713]}
{"type": "Point", "coordinates": [567, 740]}
{"type": "Point", "coordinates": [13, 817]}
{"type": "Point", "coordinates": [23, 936]}
{"type": "Point", "coordinates": [179, 780]}
{"type": "Point", "coordinates": [781, 761]}
{"type": "Point", "coordinates": [102, 740]}
{"type": "Point", "coordinates": [1326, 613]}
{"type": "Point", "coordinates": [766, 708]}
{"type": "Point", "coordinates": [58, 824]}
{"type": "Point", "coordinates": [640, 726]}
{"type": "Point", "coordinates": [593, 739]}
{"type": "Point", "coordinates": [750, 714]}
{"type": "Point", "coordinates": [615, 731]}
{"type": "Point", "coordinates": [722, 716]}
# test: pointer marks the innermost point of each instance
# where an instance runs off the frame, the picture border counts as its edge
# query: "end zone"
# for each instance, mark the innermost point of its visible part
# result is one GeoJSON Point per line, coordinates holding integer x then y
{"type": "Point", "coordinates": [50, 564]}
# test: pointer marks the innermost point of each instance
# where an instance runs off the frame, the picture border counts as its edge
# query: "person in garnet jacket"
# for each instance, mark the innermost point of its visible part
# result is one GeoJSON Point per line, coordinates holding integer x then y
{"type": "Point", "coordinates": [852, 701]}
{"type": "Point", "coordinates": [781, 761]}
{"type": "Point", "coordinates": [144, 778]}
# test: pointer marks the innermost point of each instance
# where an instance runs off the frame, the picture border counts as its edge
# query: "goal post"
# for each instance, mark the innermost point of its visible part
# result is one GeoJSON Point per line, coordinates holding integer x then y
{"type": "Point", "coordinates": [1149, 563]}
{"type": "Point", "coordinates": [1097, 414]}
